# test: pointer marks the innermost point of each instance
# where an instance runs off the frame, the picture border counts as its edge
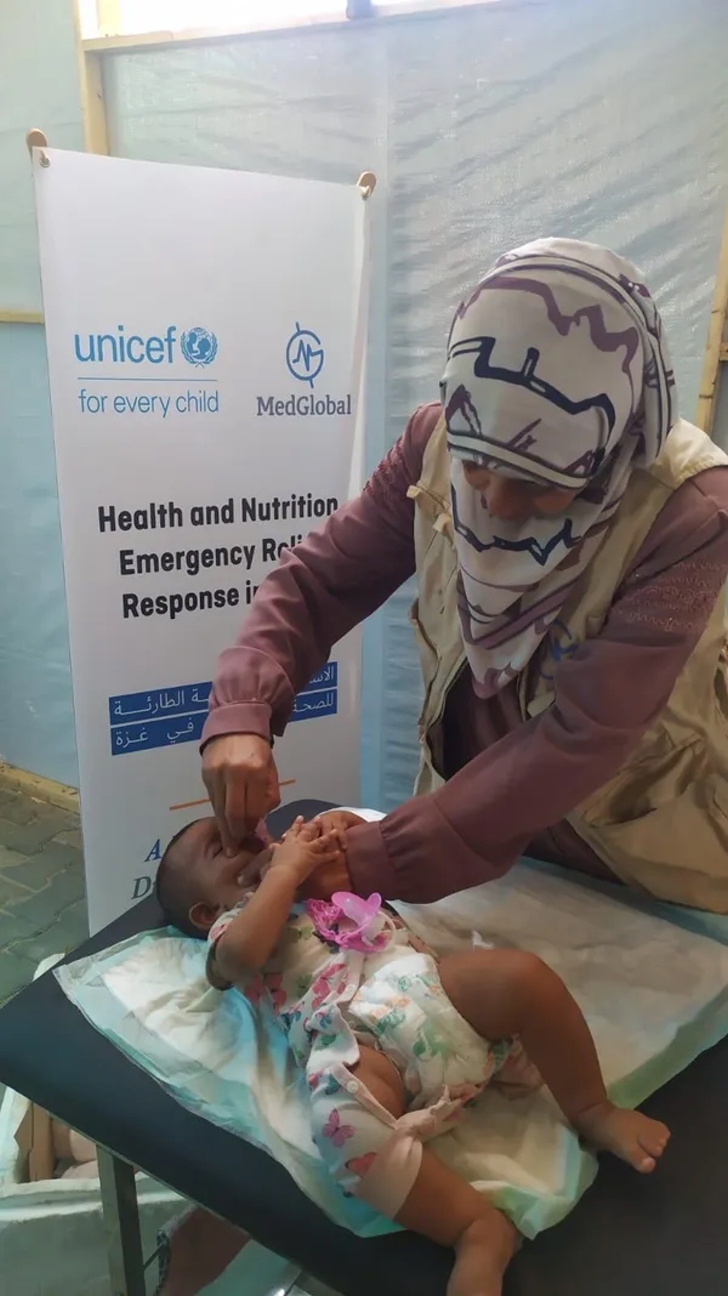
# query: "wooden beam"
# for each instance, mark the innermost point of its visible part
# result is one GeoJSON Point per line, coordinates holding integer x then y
{"type": "Point", "coordinates": [355, 10]}
{"type": "Point", "coordinates": [21, 317]}
{"type": "Point", "coordinates": [95, 127]}
{"type": "Point", "coordinates": [91, 87]}
{"type": "Point", "coordinates": [129, 43]}
{"type": "Point", "coordinates": [717, 345]}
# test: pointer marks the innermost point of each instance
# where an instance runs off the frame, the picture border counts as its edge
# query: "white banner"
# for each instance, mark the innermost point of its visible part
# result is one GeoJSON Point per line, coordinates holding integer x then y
{"type": "Point", "coordinates": [202, 334]}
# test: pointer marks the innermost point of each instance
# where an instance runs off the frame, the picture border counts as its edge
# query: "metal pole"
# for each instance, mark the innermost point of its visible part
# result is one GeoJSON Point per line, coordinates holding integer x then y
{"type": "Point", "coordinates": [121, 1226]}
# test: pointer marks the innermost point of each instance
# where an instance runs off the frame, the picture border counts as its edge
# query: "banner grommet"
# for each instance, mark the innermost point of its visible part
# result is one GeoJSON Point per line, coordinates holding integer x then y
{"type": "Point", "coordinates": [36, 139]}
{"type": "Point", "coordinates": [366, 184]}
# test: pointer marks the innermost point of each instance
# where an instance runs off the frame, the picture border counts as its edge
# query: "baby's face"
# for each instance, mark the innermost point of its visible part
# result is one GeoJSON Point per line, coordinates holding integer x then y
{"type": "Point", "coordinates": [221, 880]}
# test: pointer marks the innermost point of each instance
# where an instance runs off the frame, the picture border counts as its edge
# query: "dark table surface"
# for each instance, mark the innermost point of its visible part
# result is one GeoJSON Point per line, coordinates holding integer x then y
{"type": "Point", "coordinates": [666, 1235]}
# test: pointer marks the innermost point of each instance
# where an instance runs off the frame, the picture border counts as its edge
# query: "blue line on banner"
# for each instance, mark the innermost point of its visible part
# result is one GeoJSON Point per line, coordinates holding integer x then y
{"type": "Point", "coordinates": [314, 706]}
{"type": "Point", "coordinates": [178, 699]}
{"type": "Point", "coordinates": [192, 379]}
{"type": "Point", "coordinates": [167, 732]}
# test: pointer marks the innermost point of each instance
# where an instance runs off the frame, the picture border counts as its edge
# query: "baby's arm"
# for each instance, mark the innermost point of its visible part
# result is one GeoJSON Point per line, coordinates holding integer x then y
{"type": "Point", "coordinates": [247, 944]}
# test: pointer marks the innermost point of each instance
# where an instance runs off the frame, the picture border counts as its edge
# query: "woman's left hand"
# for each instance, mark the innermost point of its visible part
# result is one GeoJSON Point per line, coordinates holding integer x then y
{"type": "Point", "coordinates": [328, 878]}
{"type": "Point", "coordinates": [333, 875]}
{"type": "Point", "coordinates": [339, 821]}
{"type": "Point", "coordinates": [304, 848]}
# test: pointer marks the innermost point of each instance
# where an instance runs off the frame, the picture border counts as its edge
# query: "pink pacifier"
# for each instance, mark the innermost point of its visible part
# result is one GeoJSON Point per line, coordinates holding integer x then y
{"type": "Point", "coordinates": [350, 922]}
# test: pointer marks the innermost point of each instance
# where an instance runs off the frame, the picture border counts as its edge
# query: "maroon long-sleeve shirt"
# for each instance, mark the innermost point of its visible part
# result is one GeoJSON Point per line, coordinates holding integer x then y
{"type": "Point", "coordinates": [512, 781]}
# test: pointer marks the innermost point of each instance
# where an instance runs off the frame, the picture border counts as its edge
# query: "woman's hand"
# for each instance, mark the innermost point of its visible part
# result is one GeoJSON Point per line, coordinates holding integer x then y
{"type": "Point", "coordinates": [241, 778]}
{"type": "Point", "coordinates": [334, 875]}
{"type": "Point", "coordinates": [305, 848]}
{"type": "Point", "coordinates": [341, 821]}
{"type": "Point", "coordinates": [330, 875]}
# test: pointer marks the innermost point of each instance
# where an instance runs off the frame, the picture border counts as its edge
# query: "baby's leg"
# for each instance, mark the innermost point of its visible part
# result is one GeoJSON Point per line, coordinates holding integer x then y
{"type": "Point", "coordinates": [440, 1205]}
{"type": "Point", "coordinates": [509, 992]}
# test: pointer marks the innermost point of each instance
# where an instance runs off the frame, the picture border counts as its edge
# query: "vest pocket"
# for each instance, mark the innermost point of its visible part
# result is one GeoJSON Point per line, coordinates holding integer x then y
{"type": "Point", "coordinates": [653, 778]}
{"type": "Point", "coordinates": [677, 852]}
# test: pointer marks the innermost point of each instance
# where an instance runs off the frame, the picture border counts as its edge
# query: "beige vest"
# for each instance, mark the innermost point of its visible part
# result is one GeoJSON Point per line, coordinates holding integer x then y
{"type": "Point", "coordinates": [661, 823]}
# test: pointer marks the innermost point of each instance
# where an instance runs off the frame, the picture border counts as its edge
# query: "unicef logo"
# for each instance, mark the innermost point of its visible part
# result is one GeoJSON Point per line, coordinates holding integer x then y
{"type": "Point", "coordinates": [198, 346]}
{"type": "Point", "coordinates": [304, 355]}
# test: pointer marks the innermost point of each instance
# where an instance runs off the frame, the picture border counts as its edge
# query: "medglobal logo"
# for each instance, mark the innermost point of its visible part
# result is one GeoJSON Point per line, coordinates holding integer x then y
{"type": "Point", "coordinates": [198, 346]}
{"type": "Point", "coordinates": [304, 357]}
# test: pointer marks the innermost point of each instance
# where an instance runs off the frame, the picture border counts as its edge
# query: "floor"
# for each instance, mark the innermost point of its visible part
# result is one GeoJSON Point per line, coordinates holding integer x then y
{"type": "Point", "coordinates": [42, 894]}
{"type": "Point", "coordinates": [42, 898]}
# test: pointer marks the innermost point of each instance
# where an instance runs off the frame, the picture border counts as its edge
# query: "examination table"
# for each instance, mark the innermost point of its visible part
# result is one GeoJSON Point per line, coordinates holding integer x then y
{"type": "Point", "coordinates": [666, 1235]}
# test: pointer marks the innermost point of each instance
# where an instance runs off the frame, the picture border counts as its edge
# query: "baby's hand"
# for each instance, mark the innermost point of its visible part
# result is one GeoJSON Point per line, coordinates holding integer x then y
{"type": "Point", "coordinates": [305, 847]}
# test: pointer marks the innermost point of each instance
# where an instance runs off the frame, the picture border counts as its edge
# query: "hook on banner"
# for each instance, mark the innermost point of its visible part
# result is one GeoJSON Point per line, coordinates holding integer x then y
{"type": "Point", "coordinates": [36, 139]}
{"type": "Point", "coordinates": [366, 184]}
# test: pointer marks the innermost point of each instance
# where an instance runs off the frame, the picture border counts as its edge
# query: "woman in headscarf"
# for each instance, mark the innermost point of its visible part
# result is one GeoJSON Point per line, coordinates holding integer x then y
{"type": "Point", "coordinates": [570, 539]}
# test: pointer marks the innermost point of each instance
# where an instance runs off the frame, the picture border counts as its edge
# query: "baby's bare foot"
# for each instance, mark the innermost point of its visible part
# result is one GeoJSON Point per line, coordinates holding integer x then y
{"type": "Point", "coordinates": [627, 1134]}
{"type": "Point", "coordinates": [481, 1259]}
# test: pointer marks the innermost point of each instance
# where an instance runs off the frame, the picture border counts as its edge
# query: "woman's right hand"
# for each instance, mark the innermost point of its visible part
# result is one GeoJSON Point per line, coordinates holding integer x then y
{"type": "Point", "coordinates": [241, 778]}
{"type": "Point", "coordinates": [305, 848]}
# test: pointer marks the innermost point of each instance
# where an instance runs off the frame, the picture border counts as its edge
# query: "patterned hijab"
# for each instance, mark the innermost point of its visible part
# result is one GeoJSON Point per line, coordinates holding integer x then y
{"type": "Point", "coordinates": [557, 373]}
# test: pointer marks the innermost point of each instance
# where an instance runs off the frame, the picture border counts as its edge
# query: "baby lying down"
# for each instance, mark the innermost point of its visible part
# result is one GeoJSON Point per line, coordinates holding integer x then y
{"type": "Point", "coordinates": [393, 1042]}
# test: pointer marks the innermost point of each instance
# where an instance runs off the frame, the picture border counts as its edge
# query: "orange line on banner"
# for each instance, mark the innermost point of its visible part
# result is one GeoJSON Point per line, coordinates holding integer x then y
{"type": "Point", "coordinates": [188, 805]}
